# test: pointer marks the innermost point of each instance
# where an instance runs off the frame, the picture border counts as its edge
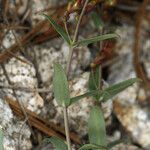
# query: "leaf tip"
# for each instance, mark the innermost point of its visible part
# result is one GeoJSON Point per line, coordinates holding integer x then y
{"type": "Point", "coordinates": [42, 14]}
{"type": "Point", "coordinates": [137, 79]}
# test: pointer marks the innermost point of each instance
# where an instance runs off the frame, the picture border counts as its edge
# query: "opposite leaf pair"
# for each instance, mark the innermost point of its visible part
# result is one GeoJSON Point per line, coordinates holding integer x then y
{"type": "Point", "coordinates": [96, 133]}
{"type": "Point", "coordinates": [96, 123]}
{"type": "Point", "coordinates": [70, 43]}
{"type": "Point", "coordinates": [62, 94]}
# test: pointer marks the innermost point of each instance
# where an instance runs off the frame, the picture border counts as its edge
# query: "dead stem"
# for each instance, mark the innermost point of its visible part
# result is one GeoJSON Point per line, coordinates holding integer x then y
{"type": "Point", "coordinates": [26, 89]}
{"type": "Point", "coordinates": [19, 101]}
{"type": "Point", "coordinates": [137, 46]}
{"type": "Point", "coordinates": [10, 83]}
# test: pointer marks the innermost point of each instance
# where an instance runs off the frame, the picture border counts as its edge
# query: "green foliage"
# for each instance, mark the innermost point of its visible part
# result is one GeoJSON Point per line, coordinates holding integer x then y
{"type": "Point", "coordinates": [60, 86]}
{"type": "Point", "coordinates": [113, 90]}
{"type": "Point", "coordinates": [107, 93]}
{"type": "Point", "coordinates": [64, 34]}
{"type": "Point", "coordinates": [96, 123]}
{"type": "Point", "coordinates": [59, 29]}
{"type": "Point", "coordinates": [97, 132]}
{"type": "Point", "coordinates": [95, 39]}
{"type": "Point", "coordinates": [99, 147]}
{"type": "Point", "coordinates": [94, 81]}
{"type": "Point", "coordinates": [1, 139]}
{"type": "Point", "coordinates": [96, 127]}
{"type": "Point", "coordinates": [57, 143]}
{"type": "Point", "coordinates": [114, 143]}
{"type": "Point", "coordinates": [77, 98]}
{"type": "Point", "coordinates": [92, 146]}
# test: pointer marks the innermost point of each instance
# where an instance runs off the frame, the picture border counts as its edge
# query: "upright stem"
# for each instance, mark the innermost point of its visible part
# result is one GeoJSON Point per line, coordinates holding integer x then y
{"type": "Point", "coordinates": [75, 38]}
{"type": "Point", "coordinates": [67, 127]}
{"type": "Point", "coordinates": [67, 72]}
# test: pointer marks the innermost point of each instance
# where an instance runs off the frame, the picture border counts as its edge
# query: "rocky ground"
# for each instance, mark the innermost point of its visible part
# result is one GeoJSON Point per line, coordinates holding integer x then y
{"type": "Point", "coordinates": [30, 83]}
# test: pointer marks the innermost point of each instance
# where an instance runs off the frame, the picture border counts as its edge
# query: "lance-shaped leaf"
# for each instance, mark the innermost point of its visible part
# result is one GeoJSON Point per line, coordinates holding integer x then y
{"type": "Point", "coordinates": [96, 127]}
{"type": "Point", "coordinates": [57, 143]}
{"type": "Point", "coordinates": [60, 86]}
{"type": "Point", "coordinates": [116, 142]}
{"type": "Point", "coordinates": [94, 81]}
{"type": "Point", "coordinates": [1, 139]}
{"type": "Point", "coordinates": [59, 29]}
{"type": "Point", "coordinates": [117, 88]}
{"type": "Point", "coordinates": [96, 39]}
{"type": "Point", "coordinates": [92, 146]}
{"type": "Point", "coordinates": [108, 93]}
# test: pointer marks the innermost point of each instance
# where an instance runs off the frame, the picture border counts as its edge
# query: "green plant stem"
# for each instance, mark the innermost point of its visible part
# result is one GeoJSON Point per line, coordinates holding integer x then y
{"type": "Point", "coordinates": [67, 127]}
{"type": "Point", "coordinates": [67, 72]}
{"type": "Point", "coordinates": [75, 38]}
{"type": "Point", "coordinates": [100, 67]}
{"type": "Point", "coordinates": [69, 61]}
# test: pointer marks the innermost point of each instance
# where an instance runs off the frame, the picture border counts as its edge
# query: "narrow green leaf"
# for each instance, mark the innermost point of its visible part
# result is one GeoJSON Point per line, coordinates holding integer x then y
{"type": "Point", "coordinates": [96, 127]}
{"type": "Point", "coordinates": [58, 28]}
{"type": "Point", "coordinates": [92, 146]}
{"type": "Point", "coordinates": [1, 139]}
{"type": "Point", "coordinates": [97, 21]}
{"type": "Point", "coordinates": [117, 88]}
{"type": "Point", "coordinates": [116, 142]}
{"type": "Point", "coordinates": [106, 94]}
{"type": "Point", "coordinates": [96, 39]}
{"type": "Point", "coordinates": [94, 81]}
{"type": "Point", "coordinates": [57, 143]}
{"type": "Point", "coordinates": [77, 98]}
{"type": "Point", "coordinates": [60, 86]}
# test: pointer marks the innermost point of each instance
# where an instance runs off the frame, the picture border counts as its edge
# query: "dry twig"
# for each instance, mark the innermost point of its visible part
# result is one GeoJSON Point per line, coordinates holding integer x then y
{"type": "Point", "coordinates": [39, 123]}
{"type": "Point", "coordinates": [137, 46]}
